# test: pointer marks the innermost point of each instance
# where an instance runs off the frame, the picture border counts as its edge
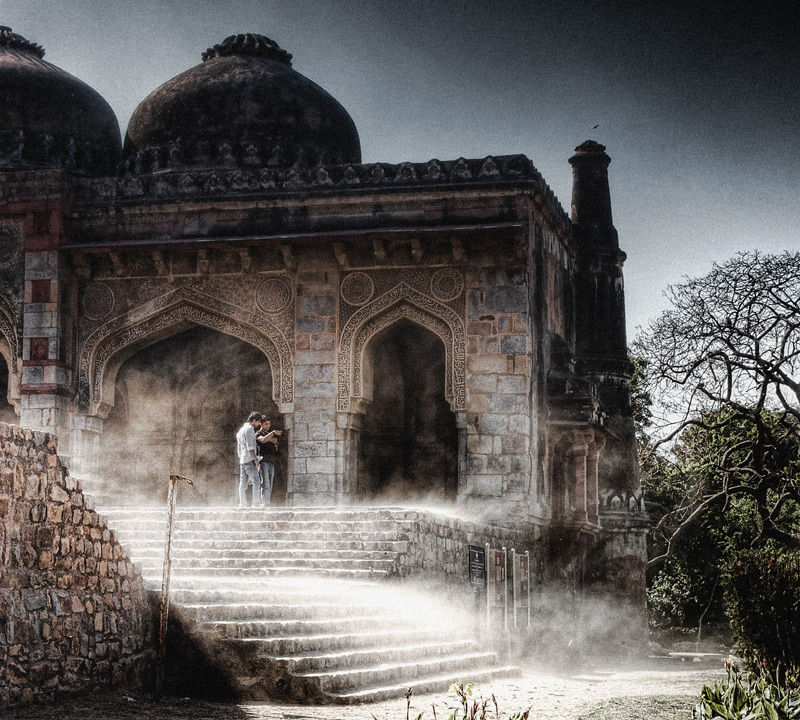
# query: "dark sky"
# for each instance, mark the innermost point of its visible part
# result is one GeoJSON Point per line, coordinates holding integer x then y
{"type": "Point", "coordinates": [697, 102]}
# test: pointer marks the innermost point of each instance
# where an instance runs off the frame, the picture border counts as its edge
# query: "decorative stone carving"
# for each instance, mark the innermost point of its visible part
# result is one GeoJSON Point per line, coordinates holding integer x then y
{"type": "Point", "coordinates": [418, 315]}
{"type": "Point", "coordinates": [274, 295]}
{"type": "Point", "coordinates": [447, 284]}
{"type": "Point", "coordinates": [461, 170]}
{"type": "Point", "coordinates": [402, 301]}
{"type": "Point", "coordinates": [405, 173]}
{"type": "Point", "coordinates": [186, 184]}
{"type": "Point", "coordinates": [280, 177]}
{"type": "Point", "coordinates": [10, 241]}
{"type": "Point", "coordinates": [175, 308]}
{"type": "Point", "coordinates": [357, 288]}
{"type": "Point", "coordinates": [9, 331]}
{"type": "Point", "coordinates": [98, 300]}
{"type": "Point", "coordinates": [490, 168]}
{"type": "Point", "coordinates": [434, 171]}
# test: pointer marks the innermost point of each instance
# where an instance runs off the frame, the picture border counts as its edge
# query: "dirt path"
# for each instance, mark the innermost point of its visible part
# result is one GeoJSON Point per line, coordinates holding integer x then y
{"type": "Point", "coordinates": [550, 695]}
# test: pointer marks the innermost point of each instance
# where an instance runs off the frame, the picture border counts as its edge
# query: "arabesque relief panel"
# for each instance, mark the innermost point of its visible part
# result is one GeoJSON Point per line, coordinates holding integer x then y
{"type": "Point", "coordinates": [374, 299]}
{"type": "Point", "coordinates": [121, 312]}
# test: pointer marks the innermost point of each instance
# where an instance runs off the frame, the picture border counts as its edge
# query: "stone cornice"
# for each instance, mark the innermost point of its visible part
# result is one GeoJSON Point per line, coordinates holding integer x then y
{"type": "Point", "coordinates": [176, 185]}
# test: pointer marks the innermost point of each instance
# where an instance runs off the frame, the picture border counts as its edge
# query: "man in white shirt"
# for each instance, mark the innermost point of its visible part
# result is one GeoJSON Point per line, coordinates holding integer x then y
{"type": "Point", "coordinates": [248, 460]}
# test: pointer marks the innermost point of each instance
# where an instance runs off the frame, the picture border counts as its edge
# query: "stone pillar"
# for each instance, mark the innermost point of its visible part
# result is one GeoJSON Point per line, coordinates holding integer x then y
{"type": "Point", "coordinates": [580, 451]}
{"type": "Point", "coordinates": [348, 438]}
{"type": "Point", "coordinates": [593, 488]}
{"type": "Point", "coordinates": [48, 328]}
{"type": "Point", "coordinates": [86, 462]}
{"type": "Point", "coordinates": [316, 457]}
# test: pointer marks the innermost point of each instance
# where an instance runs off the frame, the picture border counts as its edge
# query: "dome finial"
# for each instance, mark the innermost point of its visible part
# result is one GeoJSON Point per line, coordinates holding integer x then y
{"type": "Point", "coordinates": [249, 44]}
{"type": "Point", "coordinates": [10, 39]}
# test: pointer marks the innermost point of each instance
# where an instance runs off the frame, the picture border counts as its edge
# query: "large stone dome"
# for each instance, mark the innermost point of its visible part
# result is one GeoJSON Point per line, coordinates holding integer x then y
{"type": "Point", "coordinates": [243, 106]}
{"type": "Point", "coordinates": [49, 118]}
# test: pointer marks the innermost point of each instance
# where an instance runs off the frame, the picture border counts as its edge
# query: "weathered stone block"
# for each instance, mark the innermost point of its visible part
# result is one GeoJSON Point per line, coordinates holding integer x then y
{"type": "Point", "coordinates": [503, 403]}
{"type": "Point", "coordinates": [479, 444]}
{"type": "Point", "coordinates": [487, 364]}
{"type": "Point", "coordinates": [311, 325]}
{"type": "Point", "coordinates": [514, 344]}
{"type": "Point", "coordinates": [506, 299]}
{"type": "Point", "coordinates": [494, 424]}
{"type": "Point", "coordinates": [321, 465]}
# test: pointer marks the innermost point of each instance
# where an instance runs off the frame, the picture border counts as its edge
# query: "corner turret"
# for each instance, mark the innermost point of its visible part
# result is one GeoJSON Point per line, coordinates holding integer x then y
{"type": "Point", "coordinates": [601, 339]}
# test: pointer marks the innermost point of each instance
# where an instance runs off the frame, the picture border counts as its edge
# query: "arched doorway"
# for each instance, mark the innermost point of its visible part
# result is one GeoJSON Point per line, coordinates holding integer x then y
{"type": "Point", "coordinates": [409, 439]}
{"type": "Point", "coordinates": [177, 406]}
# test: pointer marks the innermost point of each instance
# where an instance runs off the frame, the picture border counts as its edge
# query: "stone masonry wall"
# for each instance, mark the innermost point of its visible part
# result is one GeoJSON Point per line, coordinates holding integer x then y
{"type": "Point", "coordinates": [438, 545]}
{"type": "Point", "coordinates": [74, 614]}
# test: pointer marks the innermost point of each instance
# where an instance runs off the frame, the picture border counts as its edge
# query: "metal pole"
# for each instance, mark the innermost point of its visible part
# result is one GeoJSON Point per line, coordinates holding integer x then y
{"type": "Point", "coordinates": [514, 585]}
{"type": "Point", "coordinates": [528, 570]}
{"type": "Point", "coordinates": [489, 584]}
{"type": "Point", "coordinates": [162, 630]}
{"type": "Point", "coordinates": [505, 588]}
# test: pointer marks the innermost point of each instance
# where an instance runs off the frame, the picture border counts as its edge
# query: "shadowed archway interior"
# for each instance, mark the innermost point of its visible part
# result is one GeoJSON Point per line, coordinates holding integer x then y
{"type": "Point", "coordinates": [7, 412]}
{"type": "Point", "coordinates": [178, 405]}
{"type": "Point", "coordinates": [409, 444]}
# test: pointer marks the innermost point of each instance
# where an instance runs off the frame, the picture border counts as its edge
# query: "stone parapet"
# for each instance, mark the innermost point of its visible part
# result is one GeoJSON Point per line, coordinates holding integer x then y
{"type": "Point", "coordinates": [74, 614]}
{"type": "Point", "coordinates": [437, 545]}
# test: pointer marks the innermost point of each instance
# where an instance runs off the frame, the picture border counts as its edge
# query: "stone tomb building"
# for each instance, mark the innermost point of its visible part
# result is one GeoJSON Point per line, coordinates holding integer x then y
{"type": "Point", "coordinates": [424, 331]}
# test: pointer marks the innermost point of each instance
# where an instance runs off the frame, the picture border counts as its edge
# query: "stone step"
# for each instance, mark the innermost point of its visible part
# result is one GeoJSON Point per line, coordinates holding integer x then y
{"type": "Point", "coordinates": [343, 681]}
{"type": "Point", "coordinates": [309, 585]}
{"type": "Point", "coordinates": [435, 683]}
{"type": "Point", "coordinates": [227, 536]}
{"type": "Point", "coordinates": [236, 525]}
{"type": "Point", "coordinates": [202, 541]}
{"type": "Point", "coordinates": [310, 663]}
{"type": "Point", "coordinates": [272, 512]}
{"type": "Point", "coordinates": [289, 627]}
{"type": "Point", "coordinates": [154, 572]}
{"type": "Point", "coordinates": [332, 642]}
{"type": "Point", "coordinates": [247, 612]}
{"type": "Point", "coordinates": [181, 562]}
{"type": "Point", "coordinates": [284, 594]}
{"type": "Point", "coordinates": [260, 554]}
{"type": "Point", "coordinates": [304, 600]}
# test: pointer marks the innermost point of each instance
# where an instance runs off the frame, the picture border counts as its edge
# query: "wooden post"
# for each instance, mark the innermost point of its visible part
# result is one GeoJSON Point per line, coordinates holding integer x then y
{"type": "Point", "coordinates": [164, 615]}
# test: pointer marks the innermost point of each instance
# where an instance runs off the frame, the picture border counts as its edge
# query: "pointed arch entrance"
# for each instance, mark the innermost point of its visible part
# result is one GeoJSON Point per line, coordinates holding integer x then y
{"type": "Point", "coordinates": [402, 397]}
{"type": "Point", "coordinates": [409, 438]}
{"type": "Point", "coordinates": [177, 405]}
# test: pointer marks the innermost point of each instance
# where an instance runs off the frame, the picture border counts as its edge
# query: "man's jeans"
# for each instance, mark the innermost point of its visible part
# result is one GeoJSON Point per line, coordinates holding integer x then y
{"type": "Point", "coordinates": [267, 474]}
{"type": "Point", "coordinates": [248, 475]}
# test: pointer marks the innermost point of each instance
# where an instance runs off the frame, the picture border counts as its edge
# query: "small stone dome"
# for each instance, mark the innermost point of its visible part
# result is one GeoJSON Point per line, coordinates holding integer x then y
{"type": "Point", "coordinates": [49, 118]}
{"type": "Point", "coordinates": [243, 106]}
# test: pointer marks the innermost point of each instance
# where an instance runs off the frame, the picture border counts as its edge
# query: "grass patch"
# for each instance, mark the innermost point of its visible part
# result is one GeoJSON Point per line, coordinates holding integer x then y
{"type": "Point", "coordinates": [653, 707]}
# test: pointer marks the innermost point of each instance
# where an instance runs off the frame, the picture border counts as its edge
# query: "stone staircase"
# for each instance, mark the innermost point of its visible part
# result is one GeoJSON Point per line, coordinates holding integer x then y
{"type": "Point", "coordinates": [306, 604]}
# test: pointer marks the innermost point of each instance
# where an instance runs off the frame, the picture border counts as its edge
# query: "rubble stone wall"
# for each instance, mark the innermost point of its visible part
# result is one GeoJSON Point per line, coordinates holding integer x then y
{"type": "Point", "coordinates": [74, 614]}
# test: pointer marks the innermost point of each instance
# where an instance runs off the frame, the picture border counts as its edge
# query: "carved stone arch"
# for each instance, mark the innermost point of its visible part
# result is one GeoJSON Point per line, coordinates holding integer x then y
{"type": "Point", "coordinates": [402, 301]}
{"type": "Point", "coordinates": [110, 345]}
{"type": "Point", "coordinates": [9, 346]}
{"type": "Point", "coordinates": [9, 349]}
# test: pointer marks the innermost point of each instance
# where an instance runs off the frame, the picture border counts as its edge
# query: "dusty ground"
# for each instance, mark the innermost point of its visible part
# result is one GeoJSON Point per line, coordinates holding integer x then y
{"type": "Point", "coordinates": [568, 694]}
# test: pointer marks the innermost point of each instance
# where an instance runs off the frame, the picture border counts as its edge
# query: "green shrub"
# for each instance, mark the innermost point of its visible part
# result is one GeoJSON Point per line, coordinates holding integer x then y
{"type": "Point", "coordinates": [745, 698]}
{"type": "Point", "coordinates": [764, 608]}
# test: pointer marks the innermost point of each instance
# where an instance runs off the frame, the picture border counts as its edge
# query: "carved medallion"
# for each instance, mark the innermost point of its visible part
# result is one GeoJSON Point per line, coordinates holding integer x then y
{"type": "Point", "coordinates": [98, 300]}
{"type": "Point", "coordinates": [274, 295]}
{"type": "Point", "coordinates": [10, 242]}
{"type": "Point", "coordinates": [447, 284]}
{"type": "Point", "coordinates": [357, 288]}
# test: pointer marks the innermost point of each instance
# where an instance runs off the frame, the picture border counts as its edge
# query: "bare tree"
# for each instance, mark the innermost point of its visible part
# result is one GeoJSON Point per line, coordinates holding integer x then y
{"type": "Point", "coordinates": [725, 359]}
